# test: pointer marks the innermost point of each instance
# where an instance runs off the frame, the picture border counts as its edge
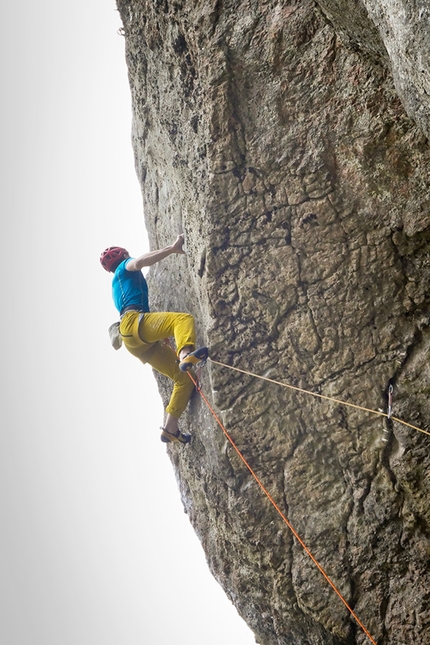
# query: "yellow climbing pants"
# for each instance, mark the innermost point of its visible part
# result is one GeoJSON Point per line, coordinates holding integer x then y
{"type": "Point", "coordinates": [143, 334]}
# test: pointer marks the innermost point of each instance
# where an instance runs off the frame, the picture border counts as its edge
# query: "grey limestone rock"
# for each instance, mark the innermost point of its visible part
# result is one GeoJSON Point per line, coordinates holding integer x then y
{"type": "Point", "coordinates": [288, 141]}
{"type": "Point", "coordinates": [397, 31]}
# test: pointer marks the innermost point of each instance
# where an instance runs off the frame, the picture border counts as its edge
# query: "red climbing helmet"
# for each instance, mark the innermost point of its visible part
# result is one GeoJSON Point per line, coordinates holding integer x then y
{"type": "Point", "coordinates": [111, 257]}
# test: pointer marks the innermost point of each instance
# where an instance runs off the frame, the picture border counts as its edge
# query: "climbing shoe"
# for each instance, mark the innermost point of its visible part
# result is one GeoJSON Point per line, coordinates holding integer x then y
{"type": "Point", "coordinates": [193, 359]}
{"type": "Point", "coordinates": [177, 437]}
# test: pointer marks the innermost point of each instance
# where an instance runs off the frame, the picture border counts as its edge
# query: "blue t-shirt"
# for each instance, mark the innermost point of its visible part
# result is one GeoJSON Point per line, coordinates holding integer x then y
{"type": "Point", "coordinates": [129, 288]}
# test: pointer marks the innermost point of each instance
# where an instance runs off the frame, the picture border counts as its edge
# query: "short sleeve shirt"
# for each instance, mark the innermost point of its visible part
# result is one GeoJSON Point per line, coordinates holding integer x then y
{"type": "Point", "coordinates": [129, 288]}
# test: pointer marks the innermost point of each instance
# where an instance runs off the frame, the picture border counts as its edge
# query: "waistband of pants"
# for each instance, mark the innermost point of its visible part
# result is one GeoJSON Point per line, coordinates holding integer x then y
{"type": "Point", "coordinates": [132, 308]}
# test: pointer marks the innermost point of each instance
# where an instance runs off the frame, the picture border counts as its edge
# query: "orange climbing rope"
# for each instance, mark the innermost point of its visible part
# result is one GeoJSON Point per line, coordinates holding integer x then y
{"type": "Point", "coordinates": [282, 515]}
{"type": "Point", "coordinates": [321, 396]}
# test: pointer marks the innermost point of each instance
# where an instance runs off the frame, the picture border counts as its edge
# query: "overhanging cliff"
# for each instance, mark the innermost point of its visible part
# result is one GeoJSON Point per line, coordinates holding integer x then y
{"type": "Point", "coordinates": [288, 142]}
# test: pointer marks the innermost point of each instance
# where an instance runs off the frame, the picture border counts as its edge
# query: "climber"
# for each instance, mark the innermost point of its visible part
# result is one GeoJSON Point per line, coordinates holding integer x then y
{"type": "Point", "coordinates": [143, 332]}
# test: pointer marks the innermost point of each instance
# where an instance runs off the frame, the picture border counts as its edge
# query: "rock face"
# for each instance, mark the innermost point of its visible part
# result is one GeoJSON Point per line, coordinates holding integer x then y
{"type": "Point", "coordinates": [398, 30]}
{"type": "Point", "coordinates": [288, 142]}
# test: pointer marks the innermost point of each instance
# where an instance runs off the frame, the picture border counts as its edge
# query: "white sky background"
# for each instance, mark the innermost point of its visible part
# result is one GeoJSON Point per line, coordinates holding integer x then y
{"type": "Point", "coordinates": [94, 545]}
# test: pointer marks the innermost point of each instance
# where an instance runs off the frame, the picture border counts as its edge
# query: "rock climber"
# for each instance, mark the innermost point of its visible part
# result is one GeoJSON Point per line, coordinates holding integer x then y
{"type": "Point", "coordinates": [143, 332]}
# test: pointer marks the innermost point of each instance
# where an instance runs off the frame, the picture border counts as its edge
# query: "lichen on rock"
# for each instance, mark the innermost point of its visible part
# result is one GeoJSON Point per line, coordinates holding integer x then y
{"type": "Point", "coordinates": [280, 138]}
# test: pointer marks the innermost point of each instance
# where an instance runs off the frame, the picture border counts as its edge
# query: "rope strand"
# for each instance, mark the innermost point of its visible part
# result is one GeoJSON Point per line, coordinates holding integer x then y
{"type": "Point", "coordinates": [281, 514]}
{"type": "Point", "coordinates": [320, 396]}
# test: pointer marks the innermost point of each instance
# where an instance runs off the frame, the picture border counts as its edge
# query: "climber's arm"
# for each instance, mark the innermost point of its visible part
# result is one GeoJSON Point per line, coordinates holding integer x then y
{"type": "Point", "coordinates": [148, 259]}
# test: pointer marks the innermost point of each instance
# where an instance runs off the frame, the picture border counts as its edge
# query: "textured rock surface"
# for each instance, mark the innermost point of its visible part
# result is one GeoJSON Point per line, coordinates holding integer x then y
{"type": "Point", "coordinates": [275, 138]}
{"type": "Point", "coordinates": [398, 30]}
